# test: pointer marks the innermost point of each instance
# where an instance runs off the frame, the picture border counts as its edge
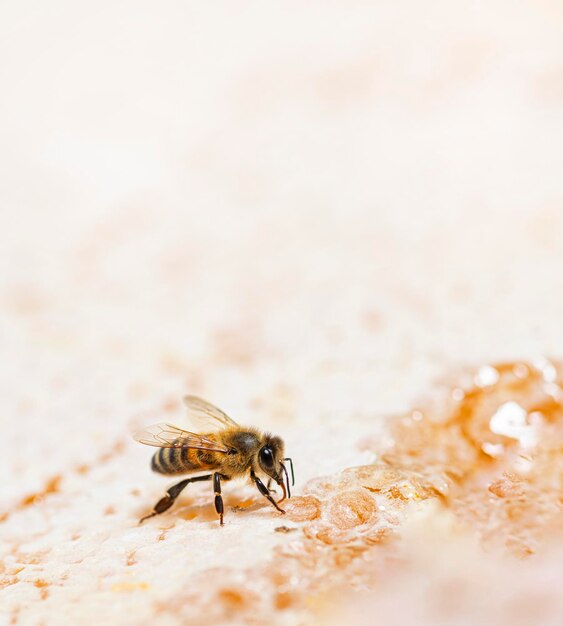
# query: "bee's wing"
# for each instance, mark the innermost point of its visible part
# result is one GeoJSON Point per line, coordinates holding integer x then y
{"type": "Point", "coordinates": [204, 412]}
{"type": "Point", "coordinates": [169, 436]}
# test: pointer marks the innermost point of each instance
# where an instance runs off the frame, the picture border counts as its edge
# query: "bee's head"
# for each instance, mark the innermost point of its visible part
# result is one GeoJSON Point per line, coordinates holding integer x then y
{"type": "Point", "coordinates": [271, 462]}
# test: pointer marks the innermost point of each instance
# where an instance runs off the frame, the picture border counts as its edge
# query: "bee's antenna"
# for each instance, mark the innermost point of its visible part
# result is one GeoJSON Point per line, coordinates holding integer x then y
{"type": "Point", "coordinates": [286, 480]}
{"type": "Point", "coordinates": [292, 474]}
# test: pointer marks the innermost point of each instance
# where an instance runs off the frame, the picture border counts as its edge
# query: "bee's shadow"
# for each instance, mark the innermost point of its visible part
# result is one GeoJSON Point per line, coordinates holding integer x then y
{"type": "Point", "coordinates": [205, 512]}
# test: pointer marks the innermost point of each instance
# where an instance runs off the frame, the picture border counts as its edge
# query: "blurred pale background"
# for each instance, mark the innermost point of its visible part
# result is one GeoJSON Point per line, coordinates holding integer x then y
{"type": "Point", "coordinates": [304, 211]}
{"type": "Point", "coordinates": [329, 201]}
{"type": "Point", "coordinates": [325, 202]}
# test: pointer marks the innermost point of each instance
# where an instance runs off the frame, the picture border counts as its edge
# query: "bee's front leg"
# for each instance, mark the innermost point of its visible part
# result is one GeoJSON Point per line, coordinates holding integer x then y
{"type": "Point", "coordinates": [264, 491]}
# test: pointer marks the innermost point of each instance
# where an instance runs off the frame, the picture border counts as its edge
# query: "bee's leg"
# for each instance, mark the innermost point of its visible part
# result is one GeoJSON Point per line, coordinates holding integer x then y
{"type": "Point", "coordinates": [171, 494]}
{"type": "Point", "coordinates": [264, 491]}
{"type": "Point", "coordinates": [218, 497]}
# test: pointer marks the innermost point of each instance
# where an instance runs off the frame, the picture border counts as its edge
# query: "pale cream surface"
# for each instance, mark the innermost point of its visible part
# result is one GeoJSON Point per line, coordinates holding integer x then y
{"type": "Point", "coordinates": [305, 213]}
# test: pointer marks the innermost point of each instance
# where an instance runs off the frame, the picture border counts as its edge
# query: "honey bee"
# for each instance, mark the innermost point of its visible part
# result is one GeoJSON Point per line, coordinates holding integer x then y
{"type": "Point", "coordinates": [227, 451]}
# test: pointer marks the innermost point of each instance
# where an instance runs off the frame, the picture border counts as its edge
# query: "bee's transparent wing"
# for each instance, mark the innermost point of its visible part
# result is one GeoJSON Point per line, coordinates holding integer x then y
{"type": "Point", "coordinates": [206, 414]}
{"type": "Point", "coordinates": [169, 436]}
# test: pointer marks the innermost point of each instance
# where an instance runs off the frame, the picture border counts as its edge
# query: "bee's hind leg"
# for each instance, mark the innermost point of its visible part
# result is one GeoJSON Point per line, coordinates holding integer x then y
{"type": "Point", "coordinates": [171, 494]}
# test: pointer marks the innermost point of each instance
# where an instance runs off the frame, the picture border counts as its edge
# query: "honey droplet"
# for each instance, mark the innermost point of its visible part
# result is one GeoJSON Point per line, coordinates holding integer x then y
{"type": "Point", "coordinates": [350, 509]}
{"type": "Point", "coordinates": [303, 508]}
{"type": "Point", "coordinates": [507, 486]}
{"type": "Point", "coordinates": [234, 599]}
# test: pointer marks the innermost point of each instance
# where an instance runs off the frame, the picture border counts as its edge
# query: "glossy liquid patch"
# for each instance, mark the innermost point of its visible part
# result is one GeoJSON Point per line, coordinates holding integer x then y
{"type": "Point", "coordinates": [487, 452]}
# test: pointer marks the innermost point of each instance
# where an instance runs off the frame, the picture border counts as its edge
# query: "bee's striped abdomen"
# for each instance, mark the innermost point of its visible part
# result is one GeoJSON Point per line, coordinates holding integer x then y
{"type": "Point", "coordinates": [180, 461]}
{"type": "Point", "coordinates": [171, 461]}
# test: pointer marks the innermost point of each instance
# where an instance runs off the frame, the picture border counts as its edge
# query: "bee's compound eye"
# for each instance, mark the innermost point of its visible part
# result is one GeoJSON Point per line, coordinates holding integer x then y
{"type": "Point", "coordinates": [266, 457]}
